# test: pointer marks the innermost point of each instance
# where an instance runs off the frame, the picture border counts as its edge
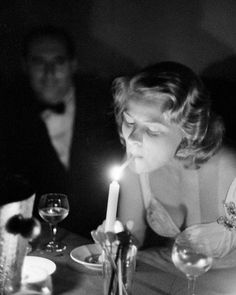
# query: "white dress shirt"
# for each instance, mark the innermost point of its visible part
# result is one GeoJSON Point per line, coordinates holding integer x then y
{"type": "Point", "coordinates": [60, 128]}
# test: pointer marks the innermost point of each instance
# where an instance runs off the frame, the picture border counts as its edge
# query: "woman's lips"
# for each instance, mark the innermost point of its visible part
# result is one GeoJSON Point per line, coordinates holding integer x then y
{"type": "Point", "coordinates": [134, 156]}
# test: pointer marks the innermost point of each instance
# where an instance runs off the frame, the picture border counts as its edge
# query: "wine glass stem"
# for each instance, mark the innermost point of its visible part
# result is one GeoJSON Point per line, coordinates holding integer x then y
{"type": "Point", "coordinates": [191, 285]}
{"type": "Point", "coordinates": [53, 229]}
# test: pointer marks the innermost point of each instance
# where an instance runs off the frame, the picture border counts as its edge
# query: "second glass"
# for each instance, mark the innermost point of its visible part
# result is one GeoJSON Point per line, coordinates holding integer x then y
{"type": "Point", "coordinates": [191, 258]}
{"type": "Point", "coordinates": [53, 208]}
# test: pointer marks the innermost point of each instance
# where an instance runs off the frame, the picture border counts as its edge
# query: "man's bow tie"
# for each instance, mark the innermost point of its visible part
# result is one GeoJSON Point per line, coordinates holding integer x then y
{"type": "Point", "coordinates": [58, 108]}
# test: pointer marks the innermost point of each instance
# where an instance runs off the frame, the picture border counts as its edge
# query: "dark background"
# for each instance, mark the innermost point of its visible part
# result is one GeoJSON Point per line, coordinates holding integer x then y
{"type": "Point", "coordinates": [115, 37]}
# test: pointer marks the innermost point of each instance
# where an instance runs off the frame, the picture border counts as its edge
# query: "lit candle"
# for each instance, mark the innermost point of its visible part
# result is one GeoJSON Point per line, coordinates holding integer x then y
{"type": "Point", "coordinates": [112, 205]}
{"type": "Point", "coordinates": [113, 197]}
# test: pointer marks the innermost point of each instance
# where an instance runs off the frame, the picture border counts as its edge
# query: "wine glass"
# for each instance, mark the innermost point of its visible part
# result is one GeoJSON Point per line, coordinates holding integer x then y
{"type": "Point", "coordinates": [192, 258]}
{"type": "Point", "coordinates": [53, 208]}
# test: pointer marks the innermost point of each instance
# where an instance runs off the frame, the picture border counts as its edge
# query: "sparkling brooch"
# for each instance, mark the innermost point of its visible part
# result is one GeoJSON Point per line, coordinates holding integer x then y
{"type": "Point", "coordinates": [228, 221]}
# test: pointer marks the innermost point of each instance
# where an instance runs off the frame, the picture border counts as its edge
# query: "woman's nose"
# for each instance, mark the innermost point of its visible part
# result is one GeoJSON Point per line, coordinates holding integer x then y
{"type": "Point", "coordinates": [136, 136]}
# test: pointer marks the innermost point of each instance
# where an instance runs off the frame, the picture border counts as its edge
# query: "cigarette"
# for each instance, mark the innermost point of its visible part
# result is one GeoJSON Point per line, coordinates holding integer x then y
{"type": "Point", "coordinates": [117, 171]}
{"type": "Point", "coordinates": [126, 163]}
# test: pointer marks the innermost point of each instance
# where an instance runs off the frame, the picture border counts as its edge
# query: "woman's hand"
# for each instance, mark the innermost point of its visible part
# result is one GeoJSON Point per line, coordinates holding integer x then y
{"type": "Point", "coordinates": [99, 234]}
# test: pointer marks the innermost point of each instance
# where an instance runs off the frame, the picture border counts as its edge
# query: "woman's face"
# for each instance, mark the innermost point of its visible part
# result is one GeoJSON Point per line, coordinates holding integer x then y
{"type": "Point", "coordinates": [148, 136]}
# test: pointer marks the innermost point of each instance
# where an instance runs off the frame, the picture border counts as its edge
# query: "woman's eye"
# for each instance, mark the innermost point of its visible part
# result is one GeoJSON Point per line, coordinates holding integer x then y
{"type": "Point", "coordinates": [153, 132]}
{"type": "Point", "coordinates": [128, 121]}
{"type": "Point", "coordinates": [128, 124]}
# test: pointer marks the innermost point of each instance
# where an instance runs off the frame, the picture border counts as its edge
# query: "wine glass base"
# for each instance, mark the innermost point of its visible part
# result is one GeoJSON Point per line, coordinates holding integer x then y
{"type": "Point", "coordinates": [54, 247]}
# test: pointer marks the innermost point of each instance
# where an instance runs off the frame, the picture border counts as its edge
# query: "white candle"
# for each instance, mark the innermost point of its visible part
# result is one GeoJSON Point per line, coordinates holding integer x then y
{"type": "Point", "coordinates": [113, 197]}
{"type": "Point", "coordinates": [112, 205]}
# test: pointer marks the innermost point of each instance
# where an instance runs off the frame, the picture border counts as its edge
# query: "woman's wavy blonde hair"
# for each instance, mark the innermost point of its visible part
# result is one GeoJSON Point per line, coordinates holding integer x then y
{"type": "Point", "coordinates": [187, 104]}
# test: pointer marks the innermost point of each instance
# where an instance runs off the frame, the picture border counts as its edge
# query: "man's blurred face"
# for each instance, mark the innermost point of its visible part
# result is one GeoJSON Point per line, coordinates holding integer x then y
{"type": "Point", "coordinates": [49, 69]}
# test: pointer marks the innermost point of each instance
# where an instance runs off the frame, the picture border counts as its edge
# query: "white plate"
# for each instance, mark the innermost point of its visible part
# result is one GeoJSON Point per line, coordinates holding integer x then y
{"type": "Point", "coordinates": [36, 269]}
{"type": "Point", "coordinates": [84, 255]}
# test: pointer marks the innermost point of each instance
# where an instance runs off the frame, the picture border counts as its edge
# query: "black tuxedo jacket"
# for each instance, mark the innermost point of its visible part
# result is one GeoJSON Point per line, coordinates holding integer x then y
{"type": "Point", "coordinates": [95, 146]}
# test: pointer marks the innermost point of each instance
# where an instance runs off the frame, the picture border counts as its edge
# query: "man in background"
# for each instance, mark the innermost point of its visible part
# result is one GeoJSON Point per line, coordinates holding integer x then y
{"type": "Point", "coordinates": [61, 138]}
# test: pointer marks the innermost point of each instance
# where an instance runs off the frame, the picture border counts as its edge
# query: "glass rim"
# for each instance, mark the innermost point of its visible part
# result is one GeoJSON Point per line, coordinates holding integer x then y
{"type": "Point", "coordinates": [54, 194]}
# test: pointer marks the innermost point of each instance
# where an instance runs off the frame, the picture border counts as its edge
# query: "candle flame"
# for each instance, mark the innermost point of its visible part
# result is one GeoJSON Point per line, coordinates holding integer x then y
{"type": "Point", "coordinates": [117, 170]}
{"type": "Point", "coordinates": [115, 173]}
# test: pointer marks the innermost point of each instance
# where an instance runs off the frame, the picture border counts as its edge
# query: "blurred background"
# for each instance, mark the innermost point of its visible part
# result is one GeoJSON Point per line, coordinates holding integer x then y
{"type": "Point", "coordinates": [116, 37]}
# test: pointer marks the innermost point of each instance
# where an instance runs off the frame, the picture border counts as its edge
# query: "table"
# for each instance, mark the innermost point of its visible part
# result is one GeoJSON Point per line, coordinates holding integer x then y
{"type": "Point", "coordinates": [151, 277]}
{"type": "Point", "coordinates": [70, 277]}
